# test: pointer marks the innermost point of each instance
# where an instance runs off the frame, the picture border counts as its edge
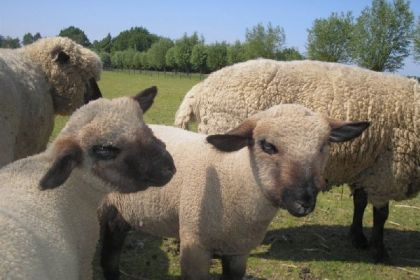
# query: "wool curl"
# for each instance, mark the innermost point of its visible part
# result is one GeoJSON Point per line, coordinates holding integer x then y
{"type": "Point", "coordinates": [385, 161]}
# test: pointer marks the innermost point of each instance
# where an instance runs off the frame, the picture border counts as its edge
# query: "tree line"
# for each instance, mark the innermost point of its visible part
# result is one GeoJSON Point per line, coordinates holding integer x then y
{"type": "Point", "coordinates": [380, 38]}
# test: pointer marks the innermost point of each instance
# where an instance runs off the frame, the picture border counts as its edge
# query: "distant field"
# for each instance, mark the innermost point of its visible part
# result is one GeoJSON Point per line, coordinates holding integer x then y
{"type": "Point", "coordinates": [313, 247]}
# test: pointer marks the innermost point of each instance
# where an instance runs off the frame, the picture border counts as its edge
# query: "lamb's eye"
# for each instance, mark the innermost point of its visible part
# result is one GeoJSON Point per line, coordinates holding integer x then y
{"type": "Point", "coordinates": [103, 152]}
{"type": "Point", "coordinates": [268, 147]}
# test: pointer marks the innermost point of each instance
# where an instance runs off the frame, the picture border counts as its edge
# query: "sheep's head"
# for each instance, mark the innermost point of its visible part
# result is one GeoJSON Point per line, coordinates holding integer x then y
{"type": "Point", "coordinates": [110, 139]}
{"type": "Point", "coordinates": [289, 147]}
{"type": "Point", "coordinates": [71, 71]}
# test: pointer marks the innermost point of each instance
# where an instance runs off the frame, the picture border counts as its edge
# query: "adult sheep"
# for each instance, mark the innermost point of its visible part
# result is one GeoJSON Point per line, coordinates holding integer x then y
{"type": "Point", "coordinates": [226, 193]}
{"type": "Point", "coordinates": [104, 147]}
{"type": "Point", "coordinates": [384, 166]}
{"type": "Point", "coordinates": [51, 76]}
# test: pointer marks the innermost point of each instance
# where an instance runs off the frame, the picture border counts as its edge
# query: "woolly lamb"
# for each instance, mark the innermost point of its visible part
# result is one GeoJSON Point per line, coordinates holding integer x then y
{"type": "Point", "coordinates": [220, 203]}
{"type": "Point", "coordinates": [105, 146]}
{"type": "Point", "coordinates": [50, 76]}
{"type": "Point", "coordinates": [384, 166]}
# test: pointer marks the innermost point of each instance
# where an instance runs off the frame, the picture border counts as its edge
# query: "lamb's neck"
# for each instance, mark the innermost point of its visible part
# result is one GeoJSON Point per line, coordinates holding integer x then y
{"type": "Point", "coordinates": [249, 189]}
{"type": "Point", "coordinates": [88, 189]}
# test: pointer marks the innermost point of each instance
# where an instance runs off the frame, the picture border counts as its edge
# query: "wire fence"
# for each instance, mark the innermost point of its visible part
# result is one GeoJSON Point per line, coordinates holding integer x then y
{"type": "Point", "coordinates": [158, 74]}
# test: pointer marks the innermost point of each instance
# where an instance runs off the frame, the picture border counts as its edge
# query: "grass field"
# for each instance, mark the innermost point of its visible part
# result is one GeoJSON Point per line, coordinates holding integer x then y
{"type": "Point", "coordinates": [313, 247]}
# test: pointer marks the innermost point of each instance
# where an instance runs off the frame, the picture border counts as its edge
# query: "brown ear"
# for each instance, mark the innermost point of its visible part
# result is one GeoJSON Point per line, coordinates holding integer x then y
{"type": "Point", "coordinates": [342, 131]}
{"type": "Point", "coordinates": [145, 98]}
{"type": "Point", "coordinates": [235, 139]}
{"type": "Point", "coordinates": [68, 155]}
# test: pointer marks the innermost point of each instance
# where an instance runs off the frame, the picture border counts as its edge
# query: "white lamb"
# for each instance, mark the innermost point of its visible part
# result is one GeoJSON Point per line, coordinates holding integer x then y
{"type": "Point", "coordinates": [105, 146]}
{"type": "Point", "coordinates": [51, 76]}
{"type": "Point", "coordinates": [384, 166]}
{"type": "Point", "coordinates": [226, 193]}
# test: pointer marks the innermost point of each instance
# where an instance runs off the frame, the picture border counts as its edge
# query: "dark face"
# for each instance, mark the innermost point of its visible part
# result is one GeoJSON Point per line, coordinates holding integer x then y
{"type": "Point", "coordinates": [139, 165]}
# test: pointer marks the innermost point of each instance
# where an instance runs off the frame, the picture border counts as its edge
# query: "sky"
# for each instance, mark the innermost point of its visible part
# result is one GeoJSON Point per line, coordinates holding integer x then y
{"type": "Point", "coordinates": [216, 20]}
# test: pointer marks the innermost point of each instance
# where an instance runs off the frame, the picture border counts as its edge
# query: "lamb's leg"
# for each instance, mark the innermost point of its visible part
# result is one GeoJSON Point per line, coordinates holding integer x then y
{"type": "Point", "coordinates": [195, 262]}
{"type": "Point", "coordinates": [380, 215]}
{"type": "Point", "coordinates": [234, 267]}
{"type": "Point", "coordinates": [358, 239]}
{"type": "Point", "coordinates": [113, 233]}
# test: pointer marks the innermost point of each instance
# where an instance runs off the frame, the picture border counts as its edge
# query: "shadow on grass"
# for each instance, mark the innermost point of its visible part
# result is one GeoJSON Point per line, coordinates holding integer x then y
{"type": "Point", "coordinates": [331, 243]}
{"type": "Point", "coordinates": [143, 257]}
{"type": "Point", "coordinates": [148, 257]}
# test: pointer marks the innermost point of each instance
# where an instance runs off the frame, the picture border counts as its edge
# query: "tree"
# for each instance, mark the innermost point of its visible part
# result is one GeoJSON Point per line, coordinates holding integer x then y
{"type": "Point", "coordinates": [329, 39]}
{"type": "Point", "coordinates": [416, 41]}
{"type": "Point", "coordinates": [103, 45]}
{"type": "Point", "coordinates": [106, 59]}
{"type": "Point", "coordinates": [157, 53]}
{"type": "Point", "coordinates": [137, 38]}
{"type": "Point", "coordinates": [170, 58]}
{"type": "Point", "coordinates": [199, 58]}
{"type": "Point", "coordinates": [236, 53]}
{"type": "Point", "coordinates": [117, 60]}
{"type": "Point", "coordinates": [128, 59]}
{"type": "Point", "coordinates": [9, 42]}
{"type": "Point", "coordinates": [382, 34]}
{"type": "Point", "coordinates": [289, 54]}
{"type": "Point", "coordinates": [217, 56]}
{"type": "Point", "coordinates": [264, 43]}
{"type": "Point", "coordinates": [37, 36]}
{"type": "Point", "coordinates": [27, 39]}
{"type": "Point", "coordinates": [183, 50]}
{"type": "Point", "coordinates": [76, 34]}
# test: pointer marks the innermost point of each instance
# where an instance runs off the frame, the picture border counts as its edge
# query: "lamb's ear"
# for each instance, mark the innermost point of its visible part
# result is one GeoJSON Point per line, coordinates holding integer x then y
{"type": "Point", "coordinates": [145, 98]}
{"type": "Point", "coordinates": [342, 131]}
{"type": "Point", "coordinates": [235, 139]}
{"type": "Point", "coordinates": [68, 155]}
{"type": "Point", "coordinates": [61, 57]}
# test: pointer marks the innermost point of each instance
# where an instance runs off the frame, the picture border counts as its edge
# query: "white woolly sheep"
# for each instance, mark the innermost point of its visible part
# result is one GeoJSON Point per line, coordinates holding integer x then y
{"type": "Point", "coordinates": [220, 203]}
{"type": "Point", "coordinates": [105, 146]}
{"type": "Point", "coordinates": [50, 76]}
{"type": "Point", "coordinates": [384, 166]}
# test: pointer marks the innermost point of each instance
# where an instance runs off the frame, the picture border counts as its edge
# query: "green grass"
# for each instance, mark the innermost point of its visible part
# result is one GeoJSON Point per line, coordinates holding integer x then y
{"type": "Point", "coordinates": [313, 247]}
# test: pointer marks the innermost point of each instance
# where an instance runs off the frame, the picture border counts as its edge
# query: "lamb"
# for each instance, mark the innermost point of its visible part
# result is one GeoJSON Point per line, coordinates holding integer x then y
{"type": "Point", "coordinates": [105, 146]}
{"type": "Point", "coordinates": [224, 195]}
{"type": "Point", "coordinates": [383, 167]}
{"type": "Point", "coordinates": [51, 76]}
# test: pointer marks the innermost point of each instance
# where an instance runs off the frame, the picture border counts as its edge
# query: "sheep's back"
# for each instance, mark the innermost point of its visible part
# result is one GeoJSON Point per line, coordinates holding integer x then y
{"type": "Point", "coordinates": [231, 94]}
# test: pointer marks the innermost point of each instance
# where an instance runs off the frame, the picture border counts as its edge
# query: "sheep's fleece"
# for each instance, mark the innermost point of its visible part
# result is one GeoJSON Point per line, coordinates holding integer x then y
{"type": "Point", "coordinates": [385, 160]}
{"type": "Point", "coordinates": [35, 85]}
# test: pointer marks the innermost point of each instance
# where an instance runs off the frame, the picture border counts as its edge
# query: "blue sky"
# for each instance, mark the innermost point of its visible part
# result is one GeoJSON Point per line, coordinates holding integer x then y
{"type": "Point", "coordinates": [215, 20]}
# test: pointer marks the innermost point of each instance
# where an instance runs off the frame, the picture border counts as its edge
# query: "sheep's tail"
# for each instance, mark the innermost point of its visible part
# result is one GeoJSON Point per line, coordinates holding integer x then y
{"type": "Point", "coordinates": [188, 110]}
